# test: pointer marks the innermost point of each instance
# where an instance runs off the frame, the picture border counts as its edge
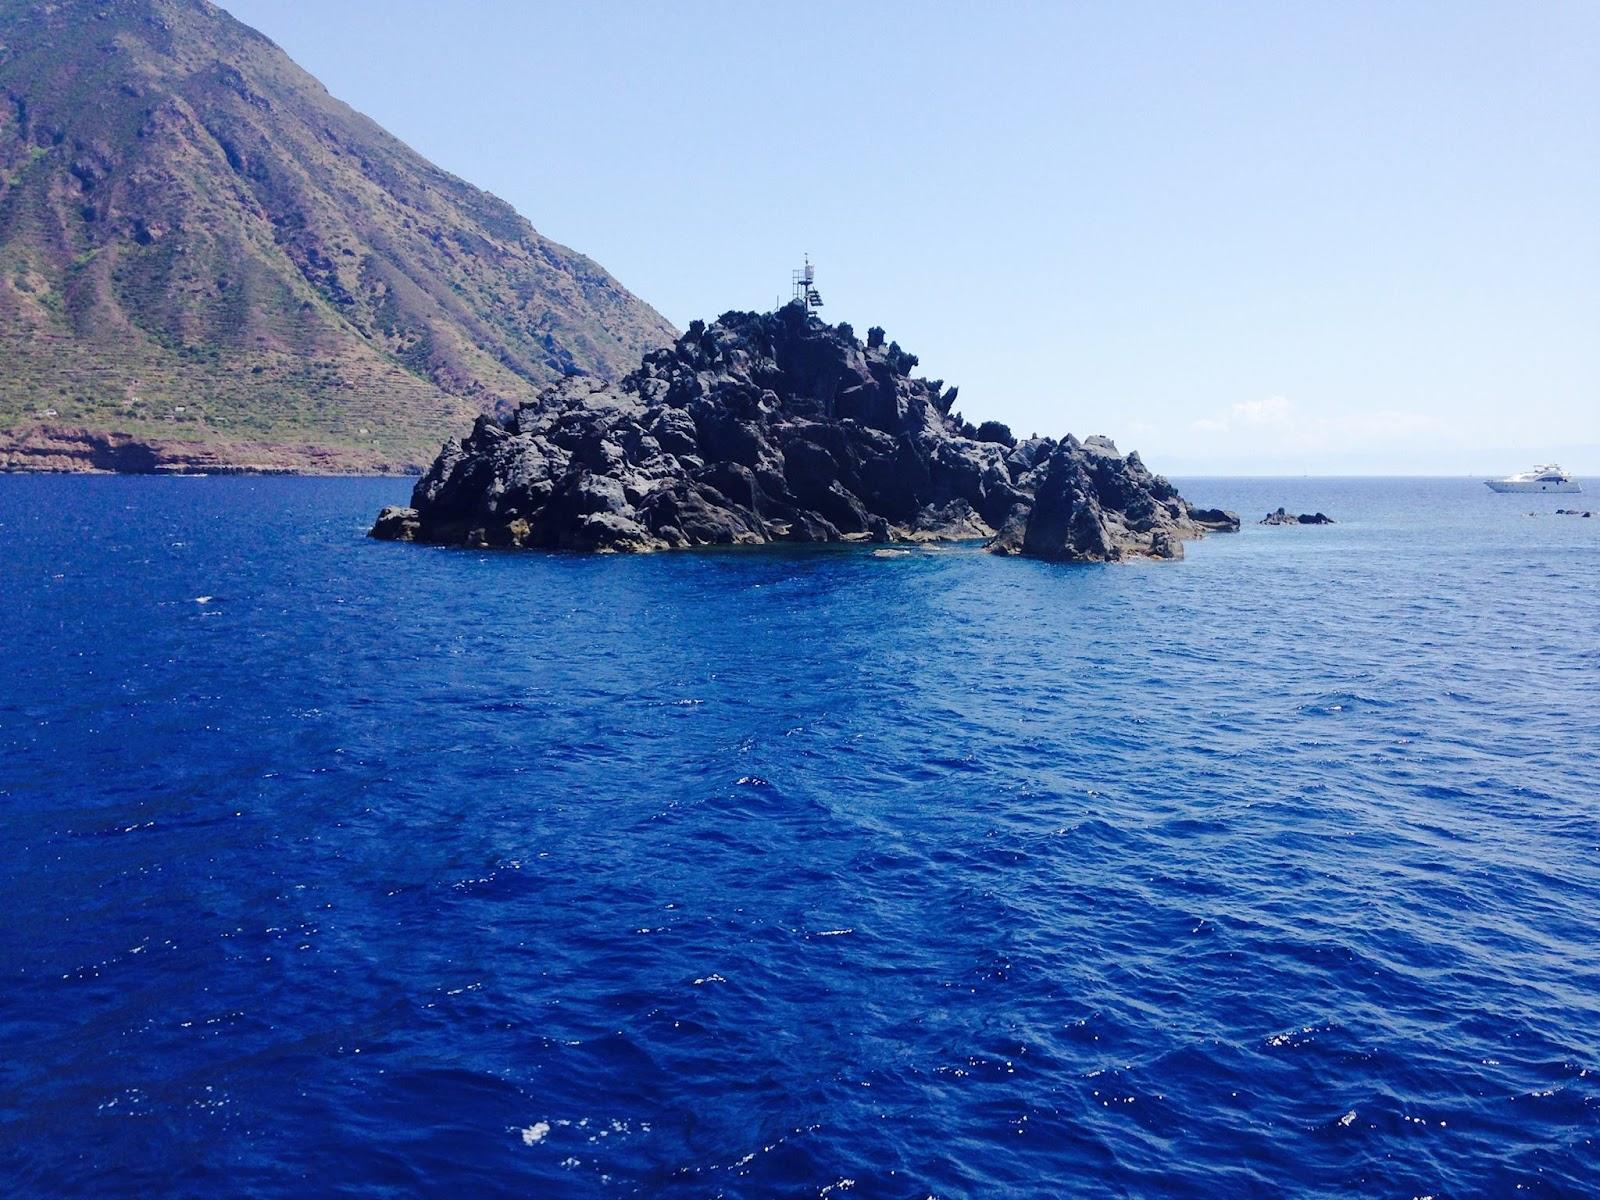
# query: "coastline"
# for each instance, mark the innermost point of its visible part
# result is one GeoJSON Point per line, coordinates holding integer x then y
{"type": "Point", "coordinates": [79, 450]}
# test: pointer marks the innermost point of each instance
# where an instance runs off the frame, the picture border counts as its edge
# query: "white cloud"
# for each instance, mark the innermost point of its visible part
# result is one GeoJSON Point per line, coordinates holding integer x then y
{"type": "Point", "coordinates": [1273, 412]}
{"type": "Point", "coordinates": [1274, 422]}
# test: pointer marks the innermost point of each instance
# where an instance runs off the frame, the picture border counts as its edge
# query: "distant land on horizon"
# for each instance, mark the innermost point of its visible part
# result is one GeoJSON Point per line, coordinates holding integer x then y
{"type": "Point", "coordinates": [206, 258]}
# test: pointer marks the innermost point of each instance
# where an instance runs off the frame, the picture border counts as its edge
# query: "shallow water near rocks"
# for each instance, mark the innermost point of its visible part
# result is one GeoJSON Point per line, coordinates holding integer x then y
{"type": "Point", "coordinates": [346, 868]}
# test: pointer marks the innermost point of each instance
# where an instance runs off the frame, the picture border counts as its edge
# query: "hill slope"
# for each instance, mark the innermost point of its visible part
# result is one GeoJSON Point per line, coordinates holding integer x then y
{"type": "Point", "coordinates": [197, 242]}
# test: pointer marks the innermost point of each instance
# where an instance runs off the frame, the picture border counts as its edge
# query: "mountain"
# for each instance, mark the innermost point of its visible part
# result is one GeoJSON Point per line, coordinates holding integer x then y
{"type": "Point", "coordinates": [201, 248]}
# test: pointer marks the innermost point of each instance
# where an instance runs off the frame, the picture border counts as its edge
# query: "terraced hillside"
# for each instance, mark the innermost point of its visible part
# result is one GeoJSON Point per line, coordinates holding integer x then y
{"type": "Point", "coordinates": [199, 244]}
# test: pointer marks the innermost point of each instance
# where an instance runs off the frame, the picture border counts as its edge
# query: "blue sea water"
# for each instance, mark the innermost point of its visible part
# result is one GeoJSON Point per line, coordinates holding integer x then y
{"type": "Point", "coordinates": [341, 868]}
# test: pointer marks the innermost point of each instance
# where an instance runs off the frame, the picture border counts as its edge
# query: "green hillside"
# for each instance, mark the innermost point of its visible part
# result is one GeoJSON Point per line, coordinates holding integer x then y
{"type": "Point", "coordinates": [197, 241]}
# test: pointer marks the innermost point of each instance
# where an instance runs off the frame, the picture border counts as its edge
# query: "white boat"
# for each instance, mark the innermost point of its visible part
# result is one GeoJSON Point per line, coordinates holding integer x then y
{"type": "Point", "coordinates": [1549, 478]}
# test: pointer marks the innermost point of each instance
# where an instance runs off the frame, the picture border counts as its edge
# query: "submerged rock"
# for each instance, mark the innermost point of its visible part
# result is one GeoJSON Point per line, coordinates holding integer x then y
{"type": "Point", "coordinates": [1280, 517]}
{"type": "Point", "coordinates": [776, 427]}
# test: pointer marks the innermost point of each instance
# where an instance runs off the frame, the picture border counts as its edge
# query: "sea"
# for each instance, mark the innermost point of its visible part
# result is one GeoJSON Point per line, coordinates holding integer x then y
{"type": "Point", "coordinates": [332, 867]}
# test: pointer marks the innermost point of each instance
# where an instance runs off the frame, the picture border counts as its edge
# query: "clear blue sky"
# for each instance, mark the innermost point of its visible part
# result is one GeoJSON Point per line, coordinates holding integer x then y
{"type": "Point", "coordinates": [1240, 237]}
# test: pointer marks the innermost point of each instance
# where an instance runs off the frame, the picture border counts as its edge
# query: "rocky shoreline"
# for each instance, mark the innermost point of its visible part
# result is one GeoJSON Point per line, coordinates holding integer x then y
{"type": "Point", "coordinates": [80, 451]}
{"type": "Point", "coordinates": [773, 427]}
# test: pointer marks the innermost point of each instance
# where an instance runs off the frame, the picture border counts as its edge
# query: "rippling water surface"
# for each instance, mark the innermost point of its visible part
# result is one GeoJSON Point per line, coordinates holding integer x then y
{"type": "Point", "coordinates": [333, 867]}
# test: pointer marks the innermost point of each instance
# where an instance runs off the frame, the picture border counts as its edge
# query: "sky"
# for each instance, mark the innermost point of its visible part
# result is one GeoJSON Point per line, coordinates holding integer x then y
{"type": "Point", "coordinates": [1242, 238]}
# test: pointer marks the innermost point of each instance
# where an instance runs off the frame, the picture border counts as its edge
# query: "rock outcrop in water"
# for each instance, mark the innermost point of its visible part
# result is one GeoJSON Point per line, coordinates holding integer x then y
{"type": "Point", "coordinates": [776, 427]}
{"type": "Point", "coordinates": [1282, 517]}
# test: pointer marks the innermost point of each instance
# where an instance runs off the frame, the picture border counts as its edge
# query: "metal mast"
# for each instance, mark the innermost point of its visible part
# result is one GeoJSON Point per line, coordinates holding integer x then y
{"type": "Point", "coordinates": [804, 281]}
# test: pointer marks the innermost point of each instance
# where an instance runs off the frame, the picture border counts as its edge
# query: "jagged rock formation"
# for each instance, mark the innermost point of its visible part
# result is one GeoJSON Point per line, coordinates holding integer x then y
{"type": "Point", "coordinates": [198, 243]}
{"type": "Point", "coordinates": [777, 427]}
{"type": "Point", "coordinates": [1281, 517]}
{"type": "Point", "coordinates": [1091, 504]}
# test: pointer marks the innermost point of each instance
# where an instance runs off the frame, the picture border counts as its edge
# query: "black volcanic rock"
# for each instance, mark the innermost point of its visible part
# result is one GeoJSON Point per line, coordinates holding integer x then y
{"type": "Point", "coordinates": [1280, 517]}
{"type": "Point", "coordinates": [777, 427]}
{"type": "Point", "coordinates": [396, 524]}
{"type": "Point", "coordinates": [1218, 520]}
{"type": "Point", "coordinates": [1092, 504]}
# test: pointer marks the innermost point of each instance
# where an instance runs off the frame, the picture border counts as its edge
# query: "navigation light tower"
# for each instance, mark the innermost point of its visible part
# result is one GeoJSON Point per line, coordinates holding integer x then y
{"type": "Point", "coordinates": [804, 280]}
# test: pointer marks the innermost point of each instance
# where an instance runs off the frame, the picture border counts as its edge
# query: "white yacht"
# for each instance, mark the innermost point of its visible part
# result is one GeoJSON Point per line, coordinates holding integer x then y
{"type": "Point", "coordinates": [1549, 478]}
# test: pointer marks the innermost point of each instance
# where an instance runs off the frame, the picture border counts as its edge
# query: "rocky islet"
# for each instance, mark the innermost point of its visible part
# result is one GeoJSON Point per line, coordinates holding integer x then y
{"type": "Point", "coordinates": [776, 427]}
{"type": "Point", "coordinates": [1281, 516]}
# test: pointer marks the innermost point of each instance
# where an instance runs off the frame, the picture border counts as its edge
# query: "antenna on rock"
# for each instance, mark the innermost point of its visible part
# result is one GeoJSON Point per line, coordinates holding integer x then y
{"type": "Point", "coordinates": [804, 280]}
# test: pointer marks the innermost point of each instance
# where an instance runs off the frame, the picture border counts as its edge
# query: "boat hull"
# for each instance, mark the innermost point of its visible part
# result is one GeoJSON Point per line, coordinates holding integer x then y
{"type": "Point", "coordinates": [1530, 485]}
